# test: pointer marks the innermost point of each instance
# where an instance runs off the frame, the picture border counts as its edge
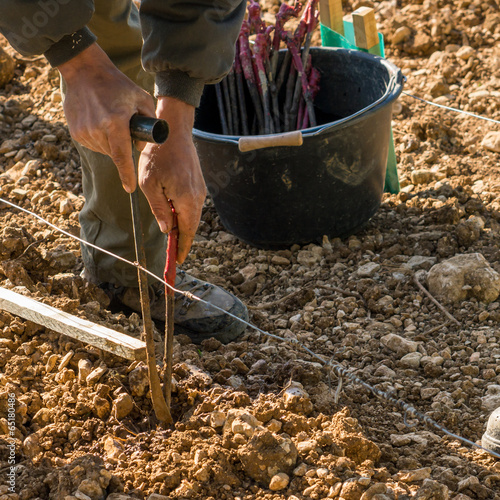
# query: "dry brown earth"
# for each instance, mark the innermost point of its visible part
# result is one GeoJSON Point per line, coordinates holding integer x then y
{"type": "Point", "coordinates": [258, 418]}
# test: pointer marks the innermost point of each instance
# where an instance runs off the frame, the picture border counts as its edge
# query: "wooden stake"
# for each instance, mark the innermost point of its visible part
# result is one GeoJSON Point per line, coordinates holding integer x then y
{"type": "Point", "coordinates": [332, 15]}
{"type": "Point", "coordinates": [162, 411]}
{"type": "Point", "coordinates": [77, 328]}
{"type": "Point", "coordinates": [365, 28]}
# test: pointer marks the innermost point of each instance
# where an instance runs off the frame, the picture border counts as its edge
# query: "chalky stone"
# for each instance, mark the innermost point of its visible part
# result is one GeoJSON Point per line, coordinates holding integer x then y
{"type": "Point", "coordinates": [491, 438]}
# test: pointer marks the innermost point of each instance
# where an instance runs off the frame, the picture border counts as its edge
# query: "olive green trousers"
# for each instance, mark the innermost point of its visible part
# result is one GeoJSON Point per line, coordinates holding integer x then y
{"type": "Point", "coordinates": [106, 217]}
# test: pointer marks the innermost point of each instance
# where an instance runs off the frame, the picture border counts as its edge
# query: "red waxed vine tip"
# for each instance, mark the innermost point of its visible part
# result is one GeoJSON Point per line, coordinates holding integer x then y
{"type": "Point", "coordinates": [172, 247]}
{"type": "Point", "coordinates": [254, 17]}
{"type": "Point", "coordinates": [245, 52]}
{"type": "Point", "coordinates": [311, 15]}
{"type": "Point", "coordinates": [298, 35]}
{"type": "Point", "coordinates": [285, 14]}
{"type": "Point", "coordinates": [258, 75]}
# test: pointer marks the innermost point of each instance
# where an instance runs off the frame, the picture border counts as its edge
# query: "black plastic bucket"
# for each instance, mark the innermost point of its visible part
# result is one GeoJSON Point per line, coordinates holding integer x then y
{"type": "Point", "coordinates": [331, 184]}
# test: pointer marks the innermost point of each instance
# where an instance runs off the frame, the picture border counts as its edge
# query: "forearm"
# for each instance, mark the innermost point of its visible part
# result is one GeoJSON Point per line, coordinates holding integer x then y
{"type": "Point", "coordinates": [199, 48]}
{"type": "Point", "coordinates": [178, 114]}
{"type": "Point", "coordinates": [54, 28]}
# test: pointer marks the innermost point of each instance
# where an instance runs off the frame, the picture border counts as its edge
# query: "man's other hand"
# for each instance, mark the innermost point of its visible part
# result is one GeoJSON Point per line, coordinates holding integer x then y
{"type": "Point", "coordinates": [99, 102]}
{"type": "Point", "coordinates": [171, 171]}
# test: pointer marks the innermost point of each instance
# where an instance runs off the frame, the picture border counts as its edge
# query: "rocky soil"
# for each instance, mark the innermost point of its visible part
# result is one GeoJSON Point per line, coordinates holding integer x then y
{"type": "Point", "coordinates": [262, 418]}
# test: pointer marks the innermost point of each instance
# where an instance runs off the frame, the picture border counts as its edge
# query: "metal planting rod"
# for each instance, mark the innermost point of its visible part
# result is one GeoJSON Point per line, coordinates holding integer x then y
{"type": "Point", "coordinates": [162, 411]}
{"type": "Point", "coordinates": [148, 129]}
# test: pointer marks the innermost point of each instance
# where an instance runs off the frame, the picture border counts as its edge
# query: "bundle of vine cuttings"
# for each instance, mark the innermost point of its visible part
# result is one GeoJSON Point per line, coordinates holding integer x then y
{"type": "Point", "coordinates": [267, 92]}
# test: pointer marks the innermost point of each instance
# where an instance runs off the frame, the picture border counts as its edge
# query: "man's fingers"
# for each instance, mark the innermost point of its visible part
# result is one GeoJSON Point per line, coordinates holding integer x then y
{"type": "Point", "coordinates": [172, 171]}
{"type": "Point", "coordinates": [185, 242]}
{"type": "Point", "coordinates": [140, 145]}
{"type": "Point", "coordinates": [188, 220]}
{"type": "Point", "coordinates": [160, 207]}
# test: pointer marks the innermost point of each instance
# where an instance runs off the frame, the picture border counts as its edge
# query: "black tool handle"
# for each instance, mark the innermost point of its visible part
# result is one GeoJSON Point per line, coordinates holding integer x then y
{"type": "Point", "coordinates": [145, 128]}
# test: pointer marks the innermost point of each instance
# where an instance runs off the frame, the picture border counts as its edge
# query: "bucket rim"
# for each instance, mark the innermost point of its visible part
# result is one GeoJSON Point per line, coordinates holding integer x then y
{"type": "Point", "coordinates": [393, 91]}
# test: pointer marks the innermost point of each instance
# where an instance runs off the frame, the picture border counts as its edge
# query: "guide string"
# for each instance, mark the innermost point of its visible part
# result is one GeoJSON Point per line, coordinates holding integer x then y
{"type": "Point", "coordinates": [340, 371]}
{"type": "Point", "coordinates": [456, 110]}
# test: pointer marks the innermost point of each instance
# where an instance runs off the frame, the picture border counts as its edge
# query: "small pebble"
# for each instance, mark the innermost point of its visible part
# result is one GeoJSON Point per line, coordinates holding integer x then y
{"type": "Point", "coordinates": [51, 363]}
{"type": "Point", "coordinates": [19, 193]}
{"type": "Point", "coordinates": [49, 138]}
{"type": "Point", "coordinates": [122, 406]}
{"type": "Point", "coordinates": [217, 418]}
{"type": "Point", "coordinates": [84, 369]}
{"type": "Point", "coordinates": [66, 207]}
{"type": "Point", "coordinates": [95, 375]}
{"type": "Point", "coordinates": [279, 482]}
{"type": "Point", "coordinates": [415, 475]}
{"type": "Point", "coordinates": [300, 470]}
{"type": "Point", "coordinates": [65, 360]}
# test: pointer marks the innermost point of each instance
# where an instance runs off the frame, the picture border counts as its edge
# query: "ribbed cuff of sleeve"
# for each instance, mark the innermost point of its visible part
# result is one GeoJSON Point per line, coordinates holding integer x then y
{"type": "Point", "coordinates": [178, 84]}
{"type": "Point", "coordinates": [69, 46]}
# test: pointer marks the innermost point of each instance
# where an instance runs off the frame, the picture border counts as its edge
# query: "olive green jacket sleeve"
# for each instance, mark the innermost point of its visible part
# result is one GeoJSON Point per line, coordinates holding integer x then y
{"type": "Point", "coordinates": [55, 28]}
{"type": "Point", "coordinates": [187, 43]}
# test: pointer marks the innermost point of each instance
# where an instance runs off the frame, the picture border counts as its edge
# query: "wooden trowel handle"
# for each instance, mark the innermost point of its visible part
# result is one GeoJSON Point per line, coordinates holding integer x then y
{"type": "Point", "coordinates": [251, 143]}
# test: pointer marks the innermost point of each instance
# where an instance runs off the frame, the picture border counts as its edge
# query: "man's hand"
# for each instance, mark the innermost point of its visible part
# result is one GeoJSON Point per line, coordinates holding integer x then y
{"type": "Point", "coordinates": [171, 171]}
{"type": "Point", "coordinates": [99, 102]}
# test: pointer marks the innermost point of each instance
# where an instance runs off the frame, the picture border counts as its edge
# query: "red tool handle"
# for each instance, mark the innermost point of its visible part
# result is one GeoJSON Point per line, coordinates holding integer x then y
{"type": "Point", "coordinates": [172, 245]}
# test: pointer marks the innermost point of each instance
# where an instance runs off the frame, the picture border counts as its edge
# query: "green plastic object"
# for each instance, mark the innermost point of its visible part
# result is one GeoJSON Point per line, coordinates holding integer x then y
{"type": "Point", "coordinates": [330, 38]}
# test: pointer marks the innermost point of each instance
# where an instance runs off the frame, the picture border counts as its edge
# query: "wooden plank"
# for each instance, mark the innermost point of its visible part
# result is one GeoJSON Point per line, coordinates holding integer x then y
{"type": "Point", "coordinates": [365, 28]}
{"type": "Point", "coordinates": [72, 326]}
{"type": "Point", "coordinates": [331, 15]}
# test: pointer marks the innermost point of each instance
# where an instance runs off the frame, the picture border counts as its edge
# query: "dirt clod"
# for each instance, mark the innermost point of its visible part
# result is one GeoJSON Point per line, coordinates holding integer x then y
{"type": "Point", "coordinates": [267, 455]}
